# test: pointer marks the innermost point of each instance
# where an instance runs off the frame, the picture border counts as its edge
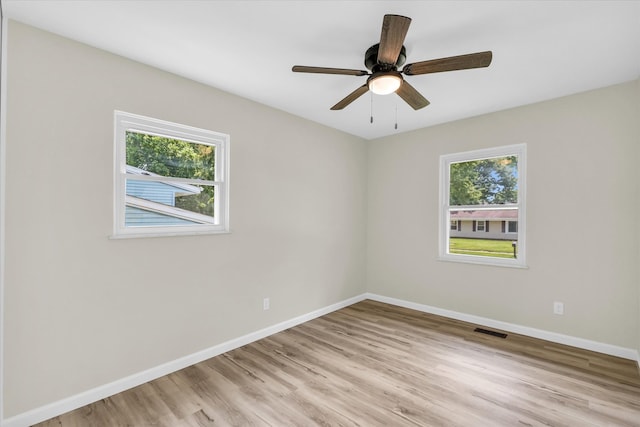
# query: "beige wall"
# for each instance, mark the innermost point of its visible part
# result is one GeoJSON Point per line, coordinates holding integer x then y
{"type": "Point", "coordinates": [83, 310]}
{"type": "Point", "coordinates": [581, 210]}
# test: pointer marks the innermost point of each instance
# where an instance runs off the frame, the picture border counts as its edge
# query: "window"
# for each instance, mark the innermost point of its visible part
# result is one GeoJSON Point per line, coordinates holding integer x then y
{"type": "Point", "coordinates": [170, 179]}
{"type": "Point", "coordinates": [484, 191]}
{"type": "Point", "coordinates": [454, 225]}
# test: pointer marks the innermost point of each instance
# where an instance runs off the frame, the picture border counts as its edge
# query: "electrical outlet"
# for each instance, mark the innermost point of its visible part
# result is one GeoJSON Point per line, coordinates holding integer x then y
{"type": "Point", "coordinates": [265, 304]}
{"type": "Point", "coordinates": [558, 308]}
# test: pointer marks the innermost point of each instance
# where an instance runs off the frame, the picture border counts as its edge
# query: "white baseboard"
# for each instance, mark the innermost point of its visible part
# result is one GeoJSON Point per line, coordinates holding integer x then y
{"type": "Point", "coordinates": [65, 405]}
{"type": "Point", "coordinates": [582, 343]}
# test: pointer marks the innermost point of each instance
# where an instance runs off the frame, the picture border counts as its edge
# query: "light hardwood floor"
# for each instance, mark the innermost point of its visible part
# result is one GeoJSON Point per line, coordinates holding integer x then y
{"type": "Point", "coordinates": [373, 364]}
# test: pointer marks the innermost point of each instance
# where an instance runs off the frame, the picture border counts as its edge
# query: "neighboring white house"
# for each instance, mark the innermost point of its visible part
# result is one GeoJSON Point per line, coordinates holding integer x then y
{"type": "Point", "coordinates": [500, 224]}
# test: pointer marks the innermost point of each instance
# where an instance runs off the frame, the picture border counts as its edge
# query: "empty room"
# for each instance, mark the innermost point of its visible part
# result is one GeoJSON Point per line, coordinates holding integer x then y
{"type": "Point", "coordinates": [336, 213]}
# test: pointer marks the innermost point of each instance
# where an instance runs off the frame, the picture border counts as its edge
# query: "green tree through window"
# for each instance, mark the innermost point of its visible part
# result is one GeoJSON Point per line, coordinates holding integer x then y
{"type": "Point", "coordinates": [483, 182]}
{"type": "Point", "coordinates": [178, 159]}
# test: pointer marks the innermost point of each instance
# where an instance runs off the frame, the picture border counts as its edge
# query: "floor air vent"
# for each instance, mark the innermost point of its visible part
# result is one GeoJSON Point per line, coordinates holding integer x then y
{"type": "Point", "coordinates": [492, 333]}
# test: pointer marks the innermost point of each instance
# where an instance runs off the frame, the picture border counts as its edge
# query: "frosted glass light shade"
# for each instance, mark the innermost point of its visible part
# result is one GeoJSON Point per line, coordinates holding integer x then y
{"type": "Point", "coordinates": [385, 84]}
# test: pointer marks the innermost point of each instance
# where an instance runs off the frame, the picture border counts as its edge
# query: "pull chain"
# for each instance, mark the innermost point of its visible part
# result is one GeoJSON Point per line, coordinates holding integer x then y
{"type": "Point", "coordinates": [396, 115]}
{"type": "Point", "coordinates": [371, 108]}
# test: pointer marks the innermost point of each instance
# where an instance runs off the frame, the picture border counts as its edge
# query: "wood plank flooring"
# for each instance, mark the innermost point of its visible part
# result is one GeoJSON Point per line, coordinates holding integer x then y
{"type": "Point", "coordinates": [373, 364]}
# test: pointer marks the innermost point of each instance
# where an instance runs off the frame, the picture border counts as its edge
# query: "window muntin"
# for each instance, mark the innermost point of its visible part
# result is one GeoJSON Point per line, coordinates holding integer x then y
{"type": "Point", "coordinates": [484, 191]}
{"type": "Point", "coordinates": [171, 179]}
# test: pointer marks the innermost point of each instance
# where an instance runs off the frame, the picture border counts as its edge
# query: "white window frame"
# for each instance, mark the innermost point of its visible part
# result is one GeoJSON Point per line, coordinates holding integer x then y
{"type": "Point", "coordinates": [509, 227]}
{"type": "Point", "coordinates": [483, 228]}
{"type": "Point", "coordinates": [124, 122]}
{"type": "Point", "coordinates": [446, 160]}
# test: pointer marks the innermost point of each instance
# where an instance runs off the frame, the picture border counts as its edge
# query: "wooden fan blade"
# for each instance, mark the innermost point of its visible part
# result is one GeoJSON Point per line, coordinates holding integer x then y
{"type": "Point", "coordinates": [394, 30]}
{"type": "Point", "coordinates": [452, 63]}
{"type": "Point", "coordinates": [324, 70]}
{"type": "Point", "coordinates": [411, 96]}
{"type": "Point", "coordinates": [351, 97]}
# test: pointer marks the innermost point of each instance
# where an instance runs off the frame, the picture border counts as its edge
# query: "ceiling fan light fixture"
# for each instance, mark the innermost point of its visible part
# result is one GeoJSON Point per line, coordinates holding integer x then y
{"type": "Point", "coordinates": [384, 83]}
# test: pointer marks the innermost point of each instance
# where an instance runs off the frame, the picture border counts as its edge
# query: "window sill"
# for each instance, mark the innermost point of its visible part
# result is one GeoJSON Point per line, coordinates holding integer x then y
{"type": "Point", "coordinates": [163, 234]}
{"type": "Point", "coordinates": [489, 263]}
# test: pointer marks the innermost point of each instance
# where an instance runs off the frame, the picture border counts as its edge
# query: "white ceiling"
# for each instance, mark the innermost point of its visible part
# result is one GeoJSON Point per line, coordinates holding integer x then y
{"type": "Point", "coordinates": [541, 50]}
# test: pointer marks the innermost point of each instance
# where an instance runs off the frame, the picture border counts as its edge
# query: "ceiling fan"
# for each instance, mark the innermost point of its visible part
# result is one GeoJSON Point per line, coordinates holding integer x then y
{"type": "Point", "coordinates": [383, 60]}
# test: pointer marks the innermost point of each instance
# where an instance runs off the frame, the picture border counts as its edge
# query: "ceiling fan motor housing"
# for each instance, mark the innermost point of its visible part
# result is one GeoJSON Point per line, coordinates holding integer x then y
{"type": "Point", "coordinates": [371, 59]}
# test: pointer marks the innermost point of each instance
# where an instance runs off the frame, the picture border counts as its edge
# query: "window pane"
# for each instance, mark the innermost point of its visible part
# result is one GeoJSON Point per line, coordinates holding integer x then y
{"type": "Point", "coordinates": [170, 157]}
{"type": "Point", "coordinates": [482, 233]}
{"type": "Point", "coordinates": [171, 179]}
{"type": "Point", "coordinates": [485, 181]}
{"type": "Point", "coordinates": [167, 203]}
{"type": "Point", "coordinates": [484, 192]}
